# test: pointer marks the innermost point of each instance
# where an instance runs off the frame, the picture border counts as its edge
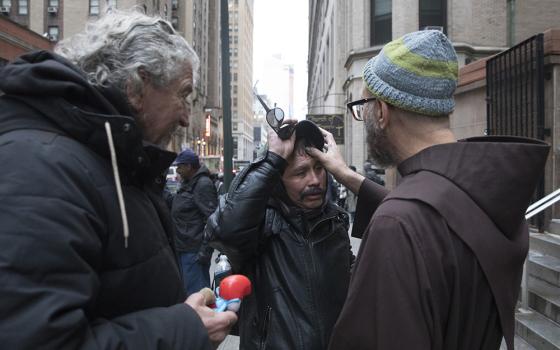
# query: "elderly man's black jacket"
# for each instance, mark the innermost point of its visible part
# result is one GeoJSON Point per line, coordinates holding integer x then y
{"type": "Point", "coordinates": [67, 281]}
{"type": "Point", "coordinates": [299, 263]}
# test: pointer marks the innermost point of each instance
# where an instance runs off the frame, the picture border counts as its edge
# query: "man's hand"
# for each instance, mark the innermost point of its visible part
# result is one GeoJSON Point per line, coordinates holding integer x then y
{"type": "Point", "coordinates": [218, 324]}
{"type": "Point", "coordinates": [334, 163]}
{"type": "Point", "coordinates": [283, 148]}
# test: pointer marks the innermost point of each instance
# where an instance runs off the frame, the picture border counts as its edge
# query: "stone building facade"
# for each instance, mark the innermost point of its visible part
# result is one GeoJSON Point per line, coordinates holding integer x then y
{"type": "Point", "coordinates": [344, 35]}
{"type": "Point", "coordinates": [241, 69]}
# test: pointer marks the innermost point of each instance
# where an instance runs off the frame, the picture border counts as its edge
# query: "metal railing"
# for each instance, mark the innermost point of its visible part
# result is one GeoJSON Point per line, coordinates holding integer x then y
{"type": "Point", "coordinates": [533, 210]}
{"type": "Point", "coordinates": [515, 97]}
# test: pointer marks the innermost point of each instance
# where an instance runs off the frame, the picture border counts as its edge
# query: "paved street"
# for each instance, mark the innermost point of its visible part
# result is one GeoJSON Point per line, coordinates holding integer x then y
{"type": "Point", "coordinates": [231, 343]}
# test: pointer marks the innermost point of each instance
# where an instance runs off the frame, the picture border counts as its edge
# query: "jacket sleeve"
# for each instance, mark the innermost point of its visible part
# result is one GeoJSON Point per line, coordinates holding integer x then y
{"type": "Point", "coordinates": [236, 226]}
{"type": "Point", "coordinates": [388, 294]}
{"type": "Point", "coordinates": [205, 196]}
{"type": "Point", "coordinates": [50, 252]}
{"type": "Point", "coordinates": [370, 196]}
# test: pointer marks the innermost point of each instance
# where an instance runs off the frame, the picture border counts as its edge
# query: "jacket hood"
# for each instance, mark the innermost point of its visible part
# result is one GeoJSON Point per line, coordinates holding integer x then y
{"type": "Point", "coordinates": [60, 99]}
{"type": "Point", "coordinates": [202, 171]}
{"type": "Point", "coordinates": [500, 174]}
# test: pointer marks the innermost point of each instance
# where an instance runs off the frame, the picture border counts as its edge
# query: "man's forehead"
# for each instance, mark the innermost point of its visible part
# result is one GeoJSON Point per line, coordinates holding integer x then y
{"type": "Point", "coordinates": [301, 160]}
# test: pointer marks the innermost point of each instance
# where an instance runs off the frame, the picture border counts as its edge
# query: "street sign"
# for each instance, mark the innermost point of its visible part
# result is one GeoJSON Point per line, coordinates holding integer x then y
{"type": "Point", "coordinates": [333, 123]}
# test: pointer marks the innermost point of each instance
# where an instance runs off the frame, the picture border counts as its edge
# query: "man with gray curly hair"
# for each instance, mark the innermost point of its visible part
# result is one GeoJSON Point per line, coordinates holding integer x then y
{"type": "Point", "coordinates": [86, 245]}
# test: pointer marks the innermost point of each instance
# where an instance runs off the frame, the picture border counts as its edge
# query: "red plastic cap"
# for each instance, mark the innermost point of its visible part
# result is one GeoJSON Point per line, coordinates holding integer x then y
{"type": "Point", "coordinates": [235, 286]}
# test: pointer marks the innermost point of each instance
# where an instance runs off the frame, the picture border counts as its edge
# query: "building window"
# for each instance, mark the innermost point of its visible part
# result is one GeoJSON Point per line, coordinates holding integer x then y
{"type": "Point", "coordinates": [381, 22]}
{"type": "Point", "coordinates": [53, 3]}
{"type": "Point", "coordinates": [23, 7]}
{"type": "Point", "coordinates": [94, 7]}
{"type": "Point", "coordinates": [433, 13]}
{"type": "Point", "coordinates": [174, 4]}
{"type": "Point", "coordinates": [7, 3]}
{"type": "Point", "coordinates": [112, 4]}
{"type": "Point", "coordinates": [53, 33]}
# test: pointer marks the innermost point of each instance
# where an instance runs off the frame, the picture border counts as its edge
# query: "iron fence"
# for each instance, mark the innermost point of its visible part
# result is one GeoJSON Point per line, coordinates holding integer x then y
{"type": "Point", "coordinates": [515, 97]}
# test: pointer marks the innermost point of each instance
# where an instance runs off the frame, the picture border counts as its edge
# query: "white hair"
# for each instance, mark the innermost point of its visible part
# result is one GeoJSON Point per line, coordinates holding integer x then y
{"type": "Point", "coordinates": [113, 50]}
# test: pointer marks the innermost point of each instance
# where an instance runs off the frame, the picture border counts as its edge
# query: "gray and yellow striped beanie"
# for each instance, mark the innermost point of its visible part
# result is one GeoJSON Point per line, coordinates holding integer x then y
{"type": "Point", "coordinates": [417, 72]}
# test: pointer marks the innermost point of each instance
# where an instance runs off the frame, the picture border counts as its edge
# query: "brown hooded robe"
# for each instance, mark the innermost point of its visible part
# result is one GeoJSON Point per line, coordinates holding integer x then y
{"type": "Point", "coordinates": [441, 260]}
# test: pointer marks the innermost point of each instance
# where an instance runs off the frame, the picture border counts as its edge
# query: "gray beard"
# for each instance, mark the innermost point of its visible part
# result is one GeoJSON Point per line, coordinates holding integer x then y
{"type": "Point", "coordinates": [380, 148]}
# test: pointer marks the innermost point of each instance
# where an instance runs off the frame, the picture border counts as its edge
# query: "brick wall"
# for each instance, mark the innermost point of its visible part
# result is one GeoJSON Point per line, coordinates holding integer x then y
{"type": "Point", "coordinates": [16, 40]}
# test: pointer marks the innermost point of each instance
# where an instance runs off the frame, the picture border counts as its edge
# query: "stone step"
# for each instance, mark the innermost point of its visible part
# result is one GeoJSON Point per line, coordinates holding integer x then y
{"type": "Point", "coordinates": [545, 299]}
{"type": "Point", "coordinates": [544, 267]}
{"type": "Point", "coordinates": [554, 226]}
{"type": "Point", "coordinates": [518, 344]}
{"type": "Point", "coordinates": [537, 330]}
{"type": "Point", "coordinates": [546, 244]}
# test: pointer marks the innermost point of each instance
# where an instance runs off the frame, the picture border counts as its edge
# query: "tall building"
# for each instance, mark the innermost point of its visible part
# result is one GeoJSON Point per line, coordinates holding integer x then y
{"type": "Point", "coordinates": [57, 19]}
{"type": "Point", "coordinates": [260, 126]}
{"type": "Point", "coordinates": [199, 22]}
{"type": "Point", "coordinates": [343, 35]}
{"type": "Point", "coordinates": [278, 84]}
{"type": "Point", "coordinates": [241, 67]}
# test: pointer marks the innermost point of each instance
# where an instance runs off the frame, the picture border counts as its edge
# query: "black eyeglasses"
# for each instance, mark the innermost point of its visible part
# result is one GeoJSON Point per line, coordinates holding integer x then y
{"type": "Point", "coordinates": [357, 108]}
{"type": "Point", "coordinates": [275, 118]}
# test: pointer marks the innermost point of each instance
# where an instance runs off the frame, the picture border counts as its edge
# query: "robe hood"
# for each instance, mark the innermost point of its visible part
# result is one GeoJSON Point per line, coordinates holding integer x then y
{"type": "Point", "coordinates": [500, 174]}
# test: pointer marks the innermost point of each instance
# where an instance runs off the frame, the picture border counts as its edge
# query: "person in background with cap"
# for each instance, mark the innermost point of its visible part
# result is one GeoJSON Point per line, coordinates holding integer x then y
{"type": "Point", "coordinates": [441, 257]}
{"type": "Point", "coordinates": [195, 200]}
{"type": "Point", "coordinates": [277, 228]}
{"type": "Point", "coordinates": [86, 260]}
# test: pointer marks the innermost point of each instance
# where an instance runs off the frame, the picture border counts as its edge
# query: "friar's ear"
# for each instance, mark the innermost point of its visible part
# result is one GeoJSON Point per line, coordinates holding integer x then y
{"type": "Point", "coordinates": [383, 114]}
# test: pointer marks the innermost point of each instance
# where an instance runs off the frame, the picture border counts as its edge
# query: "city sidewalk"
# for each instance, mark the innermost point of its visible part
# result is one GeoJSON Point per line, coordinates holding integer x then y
{"type": "Point", "coordinates": [231, 343]}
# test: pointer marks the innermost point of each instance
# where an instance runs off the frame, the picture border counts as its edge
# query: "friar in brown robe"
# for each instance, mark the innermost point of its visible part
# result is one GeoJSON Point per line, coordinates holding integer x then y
{"type": "Point", "coordinates": [441, 257]}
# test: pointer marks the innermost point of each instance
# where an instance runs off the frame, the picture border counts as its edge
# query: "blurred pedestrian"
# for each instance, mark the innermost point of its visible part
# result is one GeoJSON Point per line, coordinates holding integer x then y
{"type": "Point", "coordinates": [371, 174]}
{"type": "Point", "coordinates": [85, 254]}
{"type": "Point", "coordinates": [219, 184]}
{"type": "Point", "coordinates": [195, 200]}
{"type": "Point", "coordinates": [351, 200]}
{"type": "Point", "coordinates": [442, 255]}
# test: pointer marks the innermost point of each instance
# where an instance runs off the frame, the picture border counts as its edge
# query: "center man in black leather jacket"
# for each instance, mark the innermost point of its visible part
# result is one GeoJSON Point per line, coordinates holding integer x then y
{"type": "Point", "coordinates": [277, 228]}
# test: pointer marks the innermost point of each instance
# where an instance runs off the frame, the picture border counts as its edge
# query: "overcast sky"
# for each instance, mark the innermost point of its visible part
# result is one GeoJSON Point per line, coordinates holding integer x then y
{"type": "Point", "coordinates": [281, 27]}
